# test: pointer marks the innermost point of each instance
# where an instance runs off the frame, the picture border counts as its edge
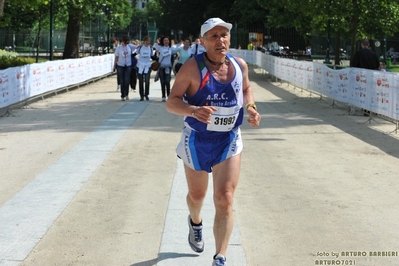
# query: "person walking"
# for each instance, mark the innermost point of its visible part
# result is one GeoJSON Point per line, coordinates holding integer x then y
{"type": "Point", "coordinates": [118, 85]}
{"type": "Point", "coordinates": [212, 91]}
{"type": "Point", "coordinates": [165, 52]}
{"type": "Point", "coordinates": [184, 54]}
{"type": "Point", "coordinates": [197, 47]}
{"type": "Point", "coordinates": [365, 58]}
{"type": "Point", "coordinates": [123, 65]}
{"type": "Point", "coordinates": [133, 76]}
{"type": "Point", "coordinates": [144, 53]}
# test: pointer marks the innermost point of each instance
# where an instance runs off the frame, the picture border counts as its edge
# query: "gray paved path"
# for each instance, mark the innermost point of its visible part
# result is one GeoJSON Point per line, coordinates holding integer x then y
{"type": "Point", "coordinates": [87, 179]}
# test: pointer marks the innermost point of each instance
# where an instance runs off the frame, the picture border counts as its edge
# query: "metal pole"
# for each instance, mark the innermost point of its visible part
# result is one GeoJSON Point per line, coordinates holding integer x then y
{"type": "Point", "coordinates": [140, 31]}
{"type": "Point", "coordinates": [385, 46]}
{"type": "Point", "coordinates": [328, 34]}
{"type": "Point", "coordinates": [51, 28]}
{"type": "Point", "coordinates": [108, 30]}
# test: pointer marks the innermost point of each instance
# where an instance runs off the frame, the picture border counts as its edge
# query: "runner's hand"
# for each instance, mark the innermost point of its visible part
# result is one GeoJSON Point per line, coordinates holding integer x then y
{"type": "Point", "coordinates": [203, 113]}
{"type": "Point", "coordinates": [254, 117]}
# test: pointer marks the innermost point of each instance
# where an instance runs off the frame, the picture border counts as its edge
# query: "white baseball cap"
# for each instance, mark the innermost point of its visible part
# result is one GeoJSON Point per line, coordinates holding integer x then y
{"type": "Point", "coordinates": [213, 22]}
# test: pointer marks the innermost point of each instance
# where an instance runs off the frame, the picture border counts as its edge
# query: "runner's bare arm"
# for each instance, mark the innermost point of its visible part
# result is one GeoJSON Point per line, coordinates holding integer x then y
{"type": "Point", "coordinates": [254, 117]}
{"type": "Point", "coordinates": [187, 82]}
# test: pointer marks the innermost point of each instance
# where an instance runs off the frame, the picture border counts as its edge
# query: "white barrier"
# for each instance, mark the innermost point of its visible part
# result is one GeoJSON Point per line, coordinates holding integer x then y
{"type": "Point", "coordinates": [20, 83]}
{"type": "Point", "coordinates": [376, 91]}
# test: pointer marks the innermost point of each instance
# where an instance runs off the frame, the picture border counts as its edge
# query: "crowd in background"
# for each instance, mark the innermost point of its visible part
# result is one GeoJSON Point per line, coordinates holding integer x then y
{"type": "Point", "coordinates": [134, 58]}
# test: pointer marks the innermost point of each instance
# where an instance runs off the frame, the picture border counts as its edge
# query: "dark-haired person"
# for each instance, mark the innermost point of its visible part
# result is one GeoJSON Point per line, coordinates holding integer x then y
{"type": "Point", "coordinates": [165, 53]}
{"type": "Point", "coordinates": [184, 54]}
{"type": "Point", "coordinates": [365, 58]}
{"type": "Point", "coordinates": [123, 65]}
{"type": "Point", "coordinates": [144, 53]}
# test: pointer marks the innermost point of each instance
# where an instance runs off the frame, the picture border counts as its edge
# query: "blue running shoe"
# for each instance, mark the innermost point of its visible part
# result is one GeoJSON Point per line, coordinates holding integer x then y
{"type": "Point", "coordinates": [219, 260]}
{"type": "Point", "coordinates": [195, 237]}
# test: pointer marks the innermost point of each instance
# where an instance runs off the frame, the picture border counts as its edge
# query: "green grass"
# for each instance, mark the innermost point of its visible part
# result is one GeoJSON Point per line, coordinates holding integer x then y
{"type": "Point", "coordinates": [12, 59]}
{"type": "Point", "coordinates": [394, 68]}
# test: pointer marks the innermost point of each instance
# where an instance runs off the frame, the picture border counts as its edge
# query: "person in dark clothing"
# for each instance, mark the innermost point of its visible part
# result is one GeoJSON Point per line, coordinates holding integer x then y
{"type": "Point", "coordinates": [365, 57]}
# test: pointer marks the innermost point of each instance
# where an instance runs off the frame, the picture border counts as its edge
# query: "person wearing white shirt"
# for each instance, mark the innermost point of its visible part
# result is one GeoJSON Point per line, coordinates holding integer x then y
{"type": "Point", "coordinates": [144, 54]}
{"type": "Point", "coordinates": [165, 52]}
{"type": "Point", "coordinates": [123, 65]}
{"type": "Point", "coordinates": [184, 54]}
{"type": "Point", "coordinates": [197, 47]}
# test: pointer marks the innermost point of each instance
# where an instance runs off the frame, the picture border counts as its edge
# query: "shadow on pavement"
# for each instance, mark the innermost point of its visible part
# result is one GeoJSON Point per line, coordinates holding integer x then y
{"type": "Point", "coordinates": [294, 109]}
{"type": "Point", "coordinates": [164, 256]}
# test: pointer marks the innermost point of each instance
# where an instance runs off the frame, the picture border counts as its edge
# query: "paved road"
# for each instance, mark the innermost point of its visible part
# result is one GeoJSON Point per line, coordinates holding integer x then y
{"type": "Point", "coordinates": [87, 179]}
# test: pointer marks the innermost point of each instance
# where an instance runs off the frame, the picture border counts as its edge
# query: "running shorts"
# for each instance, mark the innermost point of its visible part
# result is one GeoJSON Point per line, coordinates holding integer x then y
{"type": "Point", "coordinates": [201, 153]}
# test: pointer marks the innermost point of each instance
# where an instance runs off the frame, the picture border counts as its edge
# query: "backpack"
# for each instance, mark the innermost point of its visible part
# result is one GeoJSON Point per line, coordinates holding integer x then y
{"type": "Point", "coordinates": [153, 56]}
{"type": "Point", "coordinates": [133, 56]}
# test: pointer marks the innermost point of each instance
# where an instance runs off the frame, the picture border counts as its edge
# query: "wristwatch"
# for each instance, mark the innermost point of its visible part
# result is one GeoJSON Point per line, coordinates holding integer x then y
{"type": "Point", "coordinates": [251, 105]}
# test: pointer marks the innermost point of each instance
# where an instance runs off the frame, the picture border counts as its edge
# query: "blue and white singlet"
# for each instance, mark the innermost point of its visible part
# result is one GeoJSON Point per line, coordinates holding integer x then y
{"type": "Point", "coordinates": [204, 145]}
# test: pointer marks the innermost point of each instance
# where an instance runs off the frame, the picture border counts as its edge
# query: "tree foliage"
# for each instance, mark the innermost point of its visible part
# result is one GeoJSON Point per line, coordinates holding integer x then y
{"type": "Point", "coordinates": [188, 15]}
{"type": "Point", "coordinates": [248, 12]}
{"type": "Point", "coordinates": [352, 19]}
{"type": "Point", "coordinates": [116, 12]}
{"type": "Point", "coordinates": [24, 14]}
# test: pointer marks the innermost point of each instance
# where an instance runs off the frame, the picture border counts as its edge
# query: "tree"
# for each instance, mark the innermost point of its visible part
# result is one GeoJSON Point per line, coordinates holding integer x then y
{"type": "Point", "coordinates": [1, 7]}
{"type": "Point", "coordinates": [248, 13]}
{"type": "Point", "coordinates": [353, 19]}
{"type": "Point", "coordinates": [25, 14]}
{"type": "Point", "coordinates": [180, 15]}
{"type": "Point", "coordinates": [79, 10]}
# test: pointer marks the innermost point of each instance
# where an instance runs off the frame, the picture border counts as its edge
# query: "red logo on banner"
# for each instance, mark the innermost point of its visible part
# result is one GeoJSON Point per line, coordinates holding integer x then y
{"type": "Point", "coordinates": [357, 78]}
{"type": "Point", "coordinates": [379, 82]}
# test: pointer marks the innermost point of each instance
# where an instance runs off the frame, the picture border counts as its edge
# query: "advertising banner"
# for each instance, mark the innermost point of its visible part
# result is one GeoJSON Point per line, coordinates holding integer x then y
{"type": "Point", "coordinates": [20, 83]}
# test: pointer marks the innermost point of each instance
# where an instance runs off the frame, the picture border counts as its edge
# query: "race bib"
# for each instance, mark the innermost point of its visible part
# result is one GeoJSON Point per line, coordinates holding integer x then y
{"type": "Point", "coordinates": [145, 54]}
{"type": "Point", "coordinates": [166, 53]}
{"type": "Point", "coordinates": [224, 119]}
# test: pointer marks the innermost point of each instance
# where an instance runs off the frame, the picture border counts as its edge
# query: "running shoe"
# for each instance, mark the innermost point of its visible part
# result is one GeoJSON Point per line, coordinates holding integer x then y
{"type": "Point", "coordinates": [219, 260]}
{"type": "Point", "coordinates": [195, 237]}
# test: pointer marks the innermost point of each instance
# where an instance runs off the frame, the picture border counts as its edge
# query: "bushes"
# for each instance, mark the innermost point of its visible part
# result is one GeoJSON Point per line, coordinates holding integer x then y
{"type": "Point", "coordinates": [11, 59]}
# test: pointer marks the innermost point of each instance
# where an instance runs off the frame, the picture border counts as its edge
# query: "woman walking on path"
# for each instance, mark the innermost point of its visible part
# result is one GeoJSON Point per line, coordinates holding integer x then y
{"type": "Point", "coordinates": [123, 65]}
{"type": "Point", "coordinates": [165, 59]}
{"type": "Point", "coordinates": [144, 53]}
{"type": "Point", "coordinates": [184, 54]}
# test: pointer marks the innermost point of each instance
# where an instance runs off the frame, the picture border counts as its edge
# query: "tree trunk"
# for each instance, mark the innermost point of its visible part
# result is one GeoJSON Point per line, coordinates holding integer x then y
{"type": "Point", "coordinates": [71, 49]}
{"type": "Point", "coordinates": [337, 48]}
{"type": "Point", "coordinates": [353, 43]}
{"type": "Point", "coordinates": [38, 35]}
{"type": "Point", "coordinates": [2, 7]}
{"type": "Point", "coordinates": [353, 29]}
